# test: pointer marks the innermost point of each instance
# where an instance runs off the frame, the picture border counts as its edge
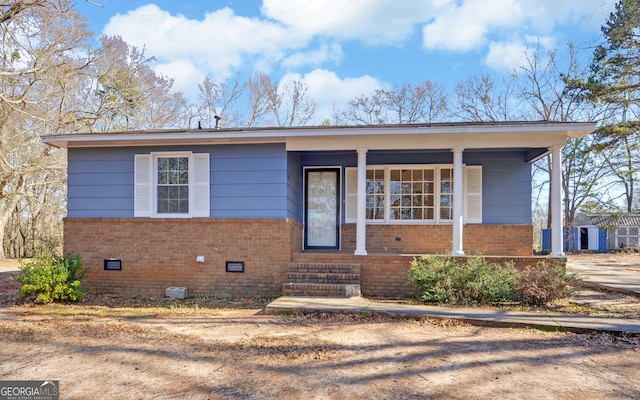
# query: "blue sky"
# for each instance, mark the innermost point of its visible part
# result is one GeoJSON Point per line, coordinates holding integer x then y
{"type": "Point", "coordinates": [344, 48]}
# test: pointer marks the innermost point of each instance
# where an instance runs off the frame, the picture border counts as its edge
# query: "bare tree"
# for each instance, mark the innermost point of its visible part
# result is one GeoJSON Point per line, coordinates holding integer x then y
{"type": "Point", "coordinates": [53, 82]}
{"type": "Point", "coordinates": [261, 92]}
{"type": "Point", "coordinates": [480, 99]}
{"type": "Point", "coordinates": [127, 93]}
{"type": "Point", "coordinates": [405, 104]}
{"type": "Point", "coordinates": [219, 100]}
{"type": "Point", "coordinates": [38, 44]}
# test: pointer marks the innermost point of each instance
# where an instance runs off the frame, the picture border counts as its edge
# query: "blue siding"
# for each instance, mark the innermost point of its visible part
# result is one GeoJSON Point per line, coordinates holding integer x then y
{"type": "Point", "coordinates": [506, 176]}
{"type": "Point", "coordinates": [294, 188]}
{"type": "Point", "coordinates": [247, 181]}
{"type": "Point", "coordinates": [264, 181]}
{"type": "Point", "coordinates": [100, 183]}
{"type": "Point", "coordinates": [506, 186]}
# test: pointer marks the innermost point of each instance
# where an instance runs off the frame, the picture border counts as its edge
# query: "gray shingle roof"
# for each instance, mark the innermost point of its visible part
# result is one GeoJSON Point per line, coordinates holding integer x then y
{"type": "Point", "coordinates": [608, 219]}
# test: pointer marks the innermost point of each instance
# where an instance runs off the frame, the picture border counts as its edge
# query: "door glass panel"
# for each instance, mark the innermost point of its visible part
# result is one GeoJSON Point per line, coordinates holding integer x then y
{"type": "Point", "coordinates": [322, 209]}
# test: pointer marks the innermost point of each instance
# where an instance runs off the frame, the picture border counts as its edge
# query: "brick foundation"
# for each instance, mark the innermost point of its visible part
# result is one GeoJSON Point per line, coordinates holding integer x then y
{"type": "Point", "coordinates": [161, 253]}
{"type": "Point", "coordinates": [503, 240]}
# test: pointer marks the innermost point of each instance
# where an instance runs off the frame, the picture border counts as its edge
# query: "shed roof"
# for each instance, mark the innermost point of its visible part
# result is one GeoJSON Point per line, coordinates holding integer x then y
{"type": "Point", "coordinates": [626, 219]}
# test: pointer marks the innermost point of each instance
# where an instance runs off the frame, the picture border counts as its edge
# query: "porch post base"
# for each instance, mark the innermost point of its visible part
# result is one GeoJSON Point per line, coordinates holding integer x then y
{"type": "Point", "coordinates": [557, 255]}
{"type": "Point", "coordinates": [360, 253]}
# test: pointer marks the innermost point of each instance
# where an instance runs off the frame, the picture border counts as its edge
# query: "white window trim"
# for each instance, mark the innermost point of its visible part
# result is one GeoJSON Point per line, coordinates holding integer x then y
{"type": "Point", "coordinates": [387, 208]}
{"type": "Point", "coordinates": [154, 183]}
{"type": "Point", "coordinates": [146, 184]}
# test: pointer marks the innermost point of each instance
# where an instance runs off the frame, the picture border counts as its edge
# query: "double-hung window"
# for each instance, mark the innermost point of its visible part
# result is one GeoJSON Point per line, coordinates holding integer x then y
{"type": "Point", "coordinates": [414, 194]}
{"type": "Point", "coordinates": [172, 185]}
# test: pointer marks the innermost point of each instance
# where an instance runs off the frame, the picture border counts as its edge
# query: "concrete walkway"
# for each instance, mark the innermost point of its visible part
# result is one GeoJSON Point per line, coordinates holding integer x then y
{"type": "Point", "coordinates": [622, 280]}
{"type": "Point", "coordinates": [606, 275]}
{"type": "Point", "coordinates": [479, 316]}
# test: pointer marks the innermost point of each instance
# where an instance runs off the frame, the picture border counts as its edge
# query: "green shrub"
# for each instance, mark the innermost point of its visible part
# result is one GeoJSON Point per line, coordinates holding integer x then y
{"type": "Point", "coordinates": [446, 279]}
{"type": "Point", "coordinates": [52, 278]}
{"type": "Point", "coordinates": [544, 283]}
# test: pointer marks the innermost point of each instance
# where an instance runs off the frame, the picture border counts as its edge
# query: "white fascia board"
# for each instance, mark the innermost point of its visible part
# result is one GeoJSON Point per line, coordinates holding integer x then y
{"type": "Point", "coordinates": [155, 139]}
{"type": "Point", "coordinates": [427, 142]}
{"type": "Point", "coordinates": [475, 135]}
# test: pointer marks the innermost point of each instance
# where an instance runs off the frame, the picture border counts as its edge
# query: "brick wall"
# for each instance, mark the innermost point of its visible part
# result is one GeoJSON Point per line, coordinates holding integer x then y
{"type": "Point", "coordinates": [161, 253]}
{"type": "Point", "coordinates": [386, 275]}
{"type": "Point", "coordinates": [508, 240]}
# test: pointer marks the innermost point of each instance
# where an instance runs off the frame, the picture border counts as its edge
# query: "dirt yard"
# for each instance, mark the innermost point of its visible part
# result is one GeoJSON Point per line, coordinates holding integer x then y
{"type": "Point", "coordinates": [114, 348]}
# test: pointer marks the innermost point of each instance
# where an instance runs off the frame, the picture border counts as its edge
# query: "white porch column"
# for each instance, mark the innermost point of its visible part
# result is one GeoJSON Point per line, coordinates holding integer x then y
{"type": "Point", "coordinates": [557, 250]}
{"type": "Point", "coordinates": [361, 210]}
{"type": "Point", "coordinates": [458, 199]}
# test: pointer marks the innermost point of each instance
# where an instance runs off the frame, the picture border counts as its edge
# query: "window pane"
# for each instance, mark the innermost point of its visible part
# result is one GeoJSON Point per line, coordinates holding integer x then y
{"type": "Point", "coordinates": [445, 187]}
{"type": "Point", "coordinates": [428, 175]}
{"type": "Point", "coordinates": [163, 194]}
{"type": "Point", "coordinates": [173, 185]}
{"type": "Point", "coordinates": [395, 200]}
{"type": "Point", "coordinates": [395, 187]}
{"type": "Point", "coordinates": [417, 213]}
{"type": "Point", "coordinates": [375, 194]}
{"type": "Point", "coordinates": [406, 188]}
{"type": "Point", "coordinates": [184, 178]}
{"type": "Point", "coordinates": [429, 200]}
{"type": "Point", "coordinates": [371, 173]}
{"type": "Point", "coordinates": [428, 187]}
{"type": "Point", "coordinates": [162, 177]}
{"type": "Point", "coordinates": [428, 213]}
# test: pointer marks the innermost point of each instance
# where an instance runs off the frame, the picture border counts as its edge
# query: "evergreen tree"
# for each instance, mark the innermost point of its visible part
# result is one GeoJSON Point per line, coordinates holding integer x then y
{"type": "Point", "coordinates": [614, 81]}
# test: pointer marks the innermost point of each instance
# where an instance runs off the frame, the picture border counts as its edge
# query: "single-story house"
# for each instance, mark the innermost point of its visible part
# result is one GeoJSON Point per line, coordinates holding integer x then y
{"type": "Point", "coordinates": [243, 212]}
{"type": "Point", "coordinates": [622, 230]}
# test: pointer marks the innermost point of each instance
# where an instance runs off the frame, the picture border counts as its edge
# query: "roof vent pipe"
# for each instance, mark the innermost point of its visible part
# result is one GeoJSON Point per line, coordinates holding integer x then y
{"type": "Point", "coordinates": [217, 117]}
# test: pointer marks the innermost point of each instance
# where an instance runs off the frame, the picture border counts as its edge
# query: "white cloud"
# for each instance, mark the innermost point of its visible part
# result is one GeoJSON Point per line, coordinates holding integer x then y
{"type": "Point", "coordinates": [294, 35]}
{"type": "Point", "coordinates": [186, 76]}
{"type": "Point", "coordinates": [329, 91]}
{"type": "Point", "coordinates": [465, 26]}
{"type": "Point", "coordinates": [587, 14]}
{"type": "Point", "coordinates": [218, 43]}
{"type": "Point", "coordinates": [511, 55]}
{"type": "Point", "coordinates": [505, 56]}
{"type": "Point", "coordinates": [370, 21]}
{"type": "Point", "coordinates": [315, 57]}
{"type": "Point", "coordinates": [469, 24]}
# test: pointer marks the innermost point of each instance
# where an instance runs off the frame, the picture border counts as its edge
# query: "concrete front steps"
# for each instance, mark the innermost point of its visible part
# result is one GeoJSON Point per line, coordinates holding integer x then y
{"type": "Point", "coordinates": [322, 280]}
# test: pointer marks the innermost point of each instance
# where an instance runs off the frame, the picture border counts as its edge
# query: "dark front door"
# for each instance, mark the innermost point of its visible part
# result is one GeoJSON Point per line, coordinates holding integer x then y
{"type": "Point", "coordinates": [322, 213]}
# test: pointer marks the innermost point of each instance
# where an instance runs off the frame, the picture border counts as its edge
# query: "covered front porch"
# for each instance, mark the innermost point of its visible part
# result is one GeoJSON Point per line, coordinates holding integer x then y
{"type": "Point", "coordinates": [478, 181]}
